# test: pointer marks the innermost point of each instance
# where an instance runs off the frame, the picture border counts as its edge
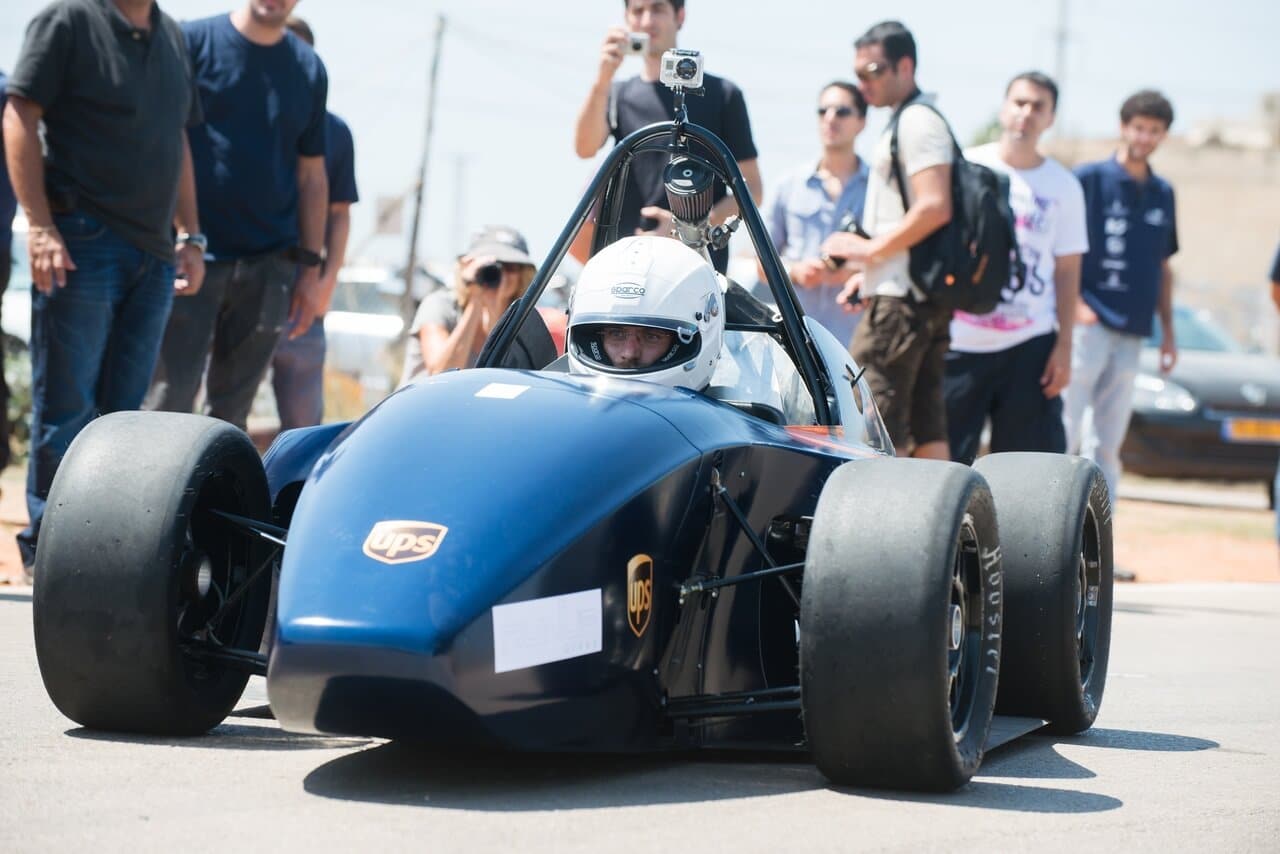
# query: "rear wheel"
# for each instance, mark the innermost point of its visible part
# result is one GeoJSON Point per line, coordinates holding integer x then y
{"type": "Point", "coordinates": [137, 573]}
{"type": "Point", "coordinates": [900, 624]}
{"type": "Point", "coordinates": [1055, 530]}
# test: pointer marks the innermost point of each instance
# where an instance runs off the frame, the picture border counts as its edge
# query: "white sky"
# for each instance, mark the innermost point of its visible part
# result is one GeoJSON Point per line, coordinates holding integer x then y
{"type": "Point", "coordinates": [513, 75]}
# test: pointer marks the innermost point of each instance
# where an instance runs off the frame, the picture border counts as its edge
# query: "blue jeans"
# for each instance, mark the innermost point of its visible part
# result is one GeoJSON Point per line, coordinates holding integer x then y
{"type": "Point", "coordinates": [1104, 365]}
{"type": "Point", "coordinates": [297, 377]}
{"type": "Point", "coordinates": [93, 347]}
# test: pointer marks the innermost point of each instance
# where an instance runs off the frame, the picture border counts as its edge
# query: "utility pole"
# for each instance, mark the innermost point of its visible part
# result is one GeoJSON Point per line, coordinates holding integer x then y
{"type": "Point", "coordinates": [459, 202]}
{"type": "Point", "coordinates": [407, 307]}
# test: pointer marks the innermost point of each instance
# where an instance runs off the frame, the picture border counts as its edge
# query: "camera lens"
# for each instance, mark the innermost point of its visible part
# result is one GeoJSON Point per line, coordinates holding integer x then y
{"type": "Point", "coordinates": [637, 46]}
{"type": "Point", "coordinates": [686, 69]}
{"type": "Point", "coordinates": [489, 276]}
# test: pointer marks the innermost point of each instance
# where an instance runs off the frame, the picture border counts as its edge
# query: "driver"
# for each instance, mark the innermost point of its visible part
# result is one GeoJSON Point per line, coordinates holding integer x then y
{"type": "Point", "coordinates": [647, 308]}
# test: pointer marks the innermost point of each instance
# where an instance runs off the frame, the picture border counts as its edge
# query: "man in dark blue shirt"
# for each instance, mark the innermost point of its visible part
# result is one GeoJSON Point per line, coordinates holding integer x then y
{"type": "Point", "coordinates": [297, 369]}
{"type": "Point", "coordinates": [263, 192]}
{"type": "Point", "coordinates": [1125, 281]}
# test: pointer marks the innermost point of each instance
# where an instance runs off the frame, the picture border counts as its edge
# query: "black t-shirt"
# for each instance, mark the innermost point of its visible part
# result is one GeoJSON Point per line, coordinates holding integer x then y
{"type": "Point", "coordinates": [1275, 268]}
{"type": "Point", "coordinates": [116, 100]}
{"type": "Point", "coordinates": [635, 103]}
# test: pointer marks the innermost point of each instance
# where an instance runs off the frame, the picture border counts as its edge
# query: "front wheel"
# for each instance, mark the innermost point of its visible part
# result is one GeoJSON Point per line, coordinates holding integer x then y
{"type": "Point", "coordinates": [900, 624]}
{"type": "Point", "coordinates": [136, 571]}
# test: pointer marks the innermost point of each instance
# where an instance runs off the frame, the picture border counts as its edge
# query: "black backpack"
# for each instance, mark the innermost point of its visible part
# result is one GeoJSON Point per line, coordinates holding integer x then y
{"type": "Point", "coordinates": [969, 262]}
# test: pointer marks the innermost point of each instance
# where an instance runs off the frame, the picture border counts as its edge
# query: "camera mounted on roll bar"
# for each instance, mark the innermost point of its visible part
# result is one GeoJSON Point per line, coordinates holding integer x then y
{"type": "Point", "coordinates": [688, 180]}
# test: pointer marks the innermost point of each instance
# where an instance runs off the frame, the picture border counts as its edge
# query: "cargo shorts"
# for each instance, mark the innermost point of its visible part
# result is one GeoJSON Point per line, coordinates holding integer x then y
{"type": "Point", "coordinates": [902, 345]}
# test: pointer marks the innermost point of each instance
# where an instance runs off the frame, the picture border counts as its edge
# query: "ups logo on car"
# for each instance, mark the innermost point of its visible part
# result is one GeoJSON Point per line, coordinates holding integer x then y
{"type": "Point", "coordinates": [639, 593]}
{"type": "Point", "coordinates": [402, 541]}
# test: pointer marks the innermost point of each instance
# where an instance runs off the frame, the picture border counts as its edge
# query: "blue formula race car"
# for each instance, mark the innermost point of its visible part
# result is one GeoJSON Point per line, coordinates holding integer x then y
{"type": "Point", "coordinates": [572, 554]}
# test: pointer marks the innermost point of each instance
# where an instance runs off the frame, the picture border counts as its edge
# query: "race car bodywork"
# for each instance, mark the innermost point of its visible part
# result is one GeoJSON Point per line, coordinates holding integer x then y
{"type": "Point", "coordinates": [522, 557]}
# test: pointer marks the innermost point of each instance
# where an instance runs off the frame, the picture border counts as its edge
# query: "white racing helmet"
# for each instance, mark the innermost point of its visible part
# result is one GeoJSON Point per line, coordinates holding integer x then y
{"type": "Point", "coordinates": [655, 282]}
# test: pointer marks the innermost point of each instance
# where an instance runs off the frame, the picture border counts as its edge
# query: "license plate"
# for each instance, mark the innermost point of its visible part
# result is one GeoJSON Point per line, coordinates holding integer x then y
{"type": "Point", "coordinates": [1251, 430]}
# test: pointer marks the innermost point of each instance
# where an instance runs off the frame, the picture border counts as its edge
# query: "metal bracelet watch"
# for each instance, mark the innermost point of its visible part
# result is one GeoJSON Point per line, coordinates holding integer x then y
{"type": "Point", "coordinates": [195, 239]}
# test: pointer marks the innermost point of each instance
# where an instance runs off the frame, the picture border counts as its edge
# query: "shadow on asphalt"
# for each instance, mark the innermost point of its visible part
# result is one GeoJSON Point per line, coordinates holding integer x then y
{"type": "Point", "coordinates": [407, 775]}
{"type": "Point", "coordinates": [1035, 758]}
{"type": "Point", "coordinates": [15, 597]}
{"type": "Point", "coordinates": [411, 775]}
{"type": "Point", "coordinates": [230, 736]}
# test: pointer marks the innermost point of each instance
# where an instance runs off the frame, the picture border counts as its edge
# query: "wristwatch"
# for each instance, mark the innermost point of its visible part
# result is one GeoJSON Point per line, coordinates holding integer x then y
{"type": "Point", "coordinates": [305, 257]}
{"type": "Point", "coordinates": [195, 239]}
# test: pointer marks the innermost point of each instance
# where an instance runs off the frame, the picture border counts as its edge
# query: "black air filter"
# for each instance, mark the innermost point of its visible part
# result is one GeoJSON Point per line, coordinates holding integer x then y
{"type": "Point", "coordinates": [690, 189]}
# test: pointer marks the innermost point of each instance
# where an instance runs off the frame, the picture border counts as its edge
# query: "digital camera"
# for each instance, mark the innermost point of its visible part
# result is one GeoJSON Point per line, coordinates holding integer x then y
{"type": "Point", "coordinates": [489, 276]}
{"type": "Point", "coordinates": [682, 69]}
{"type": "Point", "coordinates": [637, 44]}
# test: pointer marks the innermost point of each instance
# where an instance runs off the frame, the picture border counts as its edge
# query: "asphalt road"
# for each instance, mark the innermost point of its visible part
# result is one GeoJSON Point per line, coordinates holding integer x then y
{"type": "Point", "coordinates": [1185, 756]}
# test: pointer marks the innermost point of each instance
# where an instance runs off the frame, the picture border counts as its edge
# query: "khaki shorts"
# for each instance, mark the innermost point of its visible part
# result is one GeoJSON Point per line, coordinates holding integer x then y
{"type": "Point", "coordinates": [902, 344]}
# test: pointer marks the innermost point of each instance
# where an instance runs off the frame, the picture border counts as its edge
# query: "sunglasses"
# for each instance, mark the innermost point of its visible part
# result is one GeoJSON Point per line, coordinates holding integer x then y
{"type": "Point", "coordinates": [841, 112]}
{"type": "Point", "coordinates": [871, 71]}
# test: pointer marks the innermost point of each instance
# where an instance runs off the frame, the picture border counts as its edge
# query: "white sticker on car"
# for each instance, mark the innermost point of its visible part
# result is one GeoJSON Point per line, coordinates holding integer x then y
{"type": "Point", "coordinates": [540, 631]}
{"type": "Point", "coordinates": [502, 391]}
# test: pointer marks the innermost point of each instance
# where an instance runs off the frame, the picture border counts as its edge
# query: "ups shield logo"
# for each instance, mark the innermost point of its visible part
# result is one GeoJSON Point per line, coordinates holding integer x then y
{"type": "Point", "coordinates": [403, 541]}
{"type": "Point", "coordinates": [639, 593]}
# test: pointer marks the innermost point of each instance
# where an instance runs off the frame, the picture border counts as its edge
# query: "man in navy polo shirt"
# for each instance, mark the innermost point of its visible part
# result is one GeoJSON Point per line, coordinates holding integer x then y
{"type": "Point", "coordinates": [1125, 281]}
{"type": "Point", "coordinates": [264, 195]}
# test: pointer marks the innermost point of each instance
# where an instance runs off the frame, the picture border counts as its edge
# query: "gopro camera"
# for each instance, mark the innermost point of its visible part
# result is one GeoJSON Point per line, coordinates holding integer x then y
{"type": "Point", "coordinates": [682, 69]}
{"type": "Point", "coordinates": [637, 44]}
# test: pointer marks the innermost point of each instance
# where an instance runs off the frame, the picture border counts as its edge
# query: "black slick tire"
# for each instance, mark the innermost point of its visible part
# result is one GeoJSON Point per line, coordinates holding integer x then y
{"type": "Point", "coordinates": [132, 562]}
{"type": "Point", "coordinates": [900, 625]}
{"type": "Point", "coordinates": [1055, 530]}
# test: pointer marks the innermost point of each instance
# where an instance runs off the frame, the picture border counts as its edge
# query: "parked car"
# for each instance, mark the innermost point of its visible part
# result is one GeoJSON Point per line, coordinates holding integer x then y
{"type": "Point", "coordinates": [1215, 416]}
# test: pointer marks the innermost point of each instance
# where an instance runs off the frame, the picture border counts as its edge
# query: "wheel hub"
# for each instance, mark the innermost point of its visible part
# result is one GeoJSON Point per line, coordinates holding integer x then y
{"type": "Point", "coordinates": [957, 627]}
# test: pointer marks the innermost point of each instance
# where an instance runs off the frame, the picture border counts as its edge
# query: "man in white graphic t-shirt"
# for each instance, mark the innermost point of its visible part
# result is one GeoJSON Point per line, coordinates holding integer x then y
{"type": "Point", "coordinates": [1011, 365]}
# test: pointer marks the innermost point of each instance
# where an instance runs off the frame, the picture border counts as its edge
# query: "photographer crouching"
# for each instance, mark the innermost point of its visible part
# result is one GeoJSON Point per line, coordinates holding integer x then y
{"type": "Point", "coordinates": [450, 327]}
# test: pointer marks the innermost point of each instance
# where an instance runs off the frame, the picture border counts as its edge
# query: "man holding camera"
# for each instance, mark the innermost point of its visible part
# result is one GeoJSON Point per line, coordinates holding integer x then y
{"type": "Point", "coordinates": [902, 340]}
{"type": "Point", "coordinates": [618, 108]}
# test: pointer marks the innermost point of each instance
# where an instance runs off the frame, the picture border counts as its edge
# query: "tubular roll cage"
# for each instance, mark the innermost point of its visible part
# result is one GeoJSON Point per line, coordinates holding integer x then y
{"type": "Point", "coordinates": [606, 191]}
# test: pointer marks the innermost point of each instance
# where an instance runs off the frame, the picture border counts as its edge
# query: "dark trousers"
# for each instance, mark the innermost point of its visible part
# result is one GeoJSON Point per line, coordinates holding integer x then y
{"type": "Point", "coordinates": [232, 325]}
{"type": "Point", "coordinates": [93, 347]}
{"type": "Point", "coordinates": [1004, 386]}
{"type": "Point", "coordinates": [297, 378]}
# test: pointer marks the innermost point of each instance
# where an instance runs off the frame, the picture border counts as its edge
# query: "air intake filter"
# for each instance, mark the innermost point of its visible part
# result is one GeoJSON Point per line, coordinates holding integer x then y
{"type": "Point", "coordinates": [690, 189]}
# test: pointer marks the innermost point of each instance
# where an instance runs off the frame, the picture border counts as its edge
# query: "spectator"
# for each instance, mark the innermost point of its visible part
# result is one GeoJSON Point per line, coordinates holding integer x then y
{"type": "Point", "coordinates": [903, 339]}
{"type": "Point", "coordinates": [259, 163]}
{"type": "Point", "coordinates": [1125, 279]}
{"type": "Point", "coordinates": [811, 201]}
{"type": "Point", "coordinates": [450, 329]}
{"type": "Point", "coordinates": [101, 201]}
{"type": "Point", "coordinates": [619, 108]}
{"type": "Point", "coordinates": [297, 368]}
{"type": "Point", "coordinates": [8, 207]}
{"type": "Point", "coordinates": [1011, 365]}
{"type": "Point", "coordinates": [1275, 298]}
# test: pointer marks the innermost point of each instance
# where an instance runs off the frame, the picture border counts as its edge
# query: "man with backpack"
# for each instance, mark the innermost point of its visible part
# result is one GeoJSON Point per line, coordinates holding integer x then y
{"type": "Point", "coordinates": [903, 339]}
{"type": "Point", "coordinates": [1012, 364]}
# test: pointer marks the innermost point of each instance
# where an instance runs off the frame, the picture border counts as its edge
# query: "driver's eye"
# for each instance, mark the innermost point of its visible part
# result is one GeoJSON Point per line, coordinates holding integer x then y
{"type": "Point", "coordinates": [616, 336]}
{"type": "Point", "coordinates": [654, 338]}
